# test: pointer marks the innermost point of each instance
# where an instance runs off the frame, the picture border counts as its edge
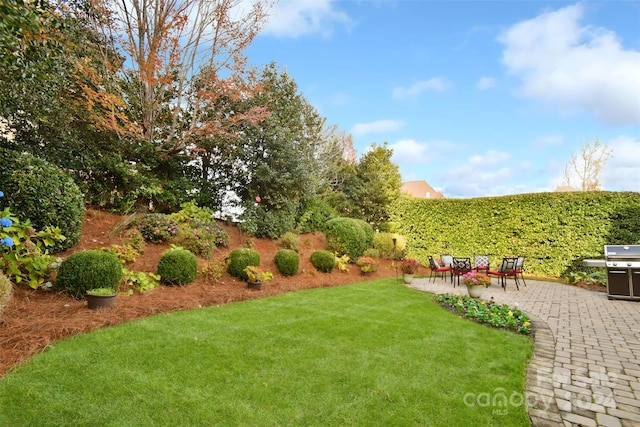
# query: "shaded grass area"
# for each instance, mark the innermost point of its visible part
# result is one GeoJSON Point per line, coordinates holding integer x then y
{"type": "Point", "coordinates": [375, 353]}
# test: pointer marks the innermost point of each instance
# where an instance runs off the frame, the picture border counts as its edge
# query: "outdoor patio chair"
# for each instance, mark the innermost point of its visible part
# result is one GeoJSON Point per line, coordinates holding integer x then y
{"type": "Point", "coordinates": [507, 268]}
{"type": "Point", "coordinates": [481, 263]}
{"type": "Point", "coordinates": [447, 261]}
{"type": "Point", "coordinates": [520, 268]}
{"type": "Point", "coordinates": [437, 268]}
{"type": "Point", "coordinates": [459, 267]}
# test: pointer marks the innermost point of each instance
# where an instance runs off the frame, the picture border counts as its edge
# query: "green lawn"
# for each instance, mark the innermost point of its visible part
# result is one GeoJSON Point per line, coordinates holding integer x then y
{"type": "Point", "coordinates": [371, 354]}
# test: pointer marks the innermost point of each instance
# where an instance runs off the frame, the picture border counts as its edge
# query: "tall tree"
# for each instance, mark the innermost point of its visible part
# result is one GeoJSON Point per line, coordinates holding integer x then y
{"type": "Point", "coordinates": [586, 166]}
{"type": "Point", "coordinates": [377, 186]}
{"type": "Point", "coordinates": [168, 43]}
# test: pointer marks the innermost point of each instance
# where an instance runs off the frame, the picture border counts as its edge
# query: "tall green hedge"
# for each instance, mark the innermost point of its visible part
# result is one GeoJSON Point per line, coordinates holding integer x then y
{"type": "Point", "coordinates": [554, 231]}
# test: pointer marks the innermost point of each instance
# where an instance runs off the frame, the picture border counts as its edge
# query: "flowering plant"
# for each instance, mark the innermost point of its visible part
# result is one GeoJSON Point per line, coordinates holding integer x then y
{"type": "Point", "coordinates": [367, 264]}
{"type": "Point", "coordinates": [255, 274]}
{"type": "Point", "coordinates": [409, 265]}
{"type": "Point", "coordinates": [475, 278]}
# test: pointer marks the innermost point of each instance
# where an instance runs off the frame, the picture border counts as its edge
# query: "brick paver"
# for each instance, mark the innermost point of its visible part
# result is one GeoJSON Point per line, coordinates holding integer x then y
{"type": "Point", "coordinates": [586, 364]}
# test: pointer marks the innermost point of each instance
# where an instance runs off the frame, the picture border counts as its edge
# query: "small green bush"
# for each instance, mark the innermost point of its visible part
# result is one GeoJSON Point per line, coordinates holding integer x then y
{"type": "Point", "coordinates": [323, 260]}
{"type": "Point", "coordinates": [383, 242]}
{"type": "Point", "coordinates": [86, 270]}
{"type": "Point", "coordinates": [241, 258]}
{"type": "Point", "coordinates": [43, 193]}
{"type": "Point", "coordinates": [134, 238]}
{"type": "Point", "coordinates": [6, 288]}
{"type": "Point", "coordinates": [371, 253]}
{"type": "Point", "coordinates": [290, 240]}
{"type": "Point", "coordinates": [287, 261]}
{"type": "Point", "coordinates": [156, 227]}
{"type": "Point", "coordinates": [348, 236]}
{"type": "Point", "coordinates": [177, 267]}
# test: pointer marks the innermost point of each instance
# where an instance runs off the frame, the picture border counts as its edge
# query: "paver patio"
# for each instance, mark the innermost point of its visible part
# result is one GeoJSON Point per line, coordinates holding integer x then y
{"type": "Point", "coordinates": [585, 370]}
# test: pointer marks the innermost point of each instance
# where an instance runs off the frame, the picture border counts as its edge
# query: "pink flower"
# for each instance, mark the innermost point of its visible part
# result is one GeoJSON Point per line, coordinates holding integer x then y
{"type": "Point", "coordinates": [258, 199]}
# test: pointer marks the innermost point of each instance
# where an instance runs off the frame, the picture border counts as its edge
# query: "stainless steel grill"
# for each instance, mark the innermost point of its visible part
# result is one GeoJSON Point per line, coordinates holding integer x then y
{"type": "Point", "coordinates": [623, 271]}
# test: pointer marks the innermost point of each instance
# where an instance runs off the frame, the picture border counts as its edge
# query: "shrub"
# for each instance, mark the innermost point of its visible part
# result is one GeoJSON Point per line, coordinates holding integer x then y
{"type": "Point", "coordinates": [135, 239]}
{"type": "Point", "coordinates": [5, 291]}
{"type": "Point", "coordinates": [24, 253]}
{"type": "Point", "coordinates": [290, 240]}
{"type": "Point", "coordinates": [367, 264]}
{"type": "Point", "coordinates": [241, 258]}
{"type": "Point", "coordinates": [177, 267]}
{"type": "Point", "coordinates": [86, 270]}
{"type": "Point", "coordinates": [156, 227]}
{"type": "Point", "coordinates": [201, 237]}
{"type": "Point", "coordinates": [371, 252]}
{"type": "Point", "coordinates": [316, 214]}
{"type": "Point", "coordinates": [42, 193]}
{"type": "Point", "coordinates": [323, 260]}
{"type": "Point", "coordinates": [348, 236]}
{"type": "Point", "coordinates": [287, 261]}
{"type": "Point", "coordinates": [383, 242]}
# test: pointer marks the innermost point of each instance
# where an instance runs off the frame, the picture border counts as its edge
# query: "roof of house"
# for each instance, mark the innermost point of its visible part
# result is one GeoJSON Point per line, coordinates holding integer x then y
{"type": "Point", "coordinates": [420, 190]}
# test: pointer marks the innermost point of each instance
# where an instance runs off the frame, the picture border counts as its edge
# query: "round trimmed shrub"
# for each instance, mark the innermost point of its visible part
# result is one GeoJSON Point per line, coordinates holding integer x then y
{"type": "Point", "coordinates": [177, 267]}
{"type": "Point", "coordinates": [241, 258]}
{"type": "Point", "coordinates": [37, 190]}
{"type": "Point", "coordinates": [86, 270]}
{"type": "Point", "coordinates": [287, 261]}
{"type": "Point", "coordinates": [323, 260]}
{"type": "Point", "coordinates": [348, 236]}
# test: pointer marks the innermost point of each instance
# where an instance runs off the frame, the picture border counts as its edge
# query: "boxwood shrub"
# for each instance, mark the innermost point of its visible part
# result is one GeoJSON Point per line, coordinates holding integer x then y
{"type": "Point", "coordinates": [287, 261]}
{"type": "Point", "coordinates": [323, 260]}
{"type": "Point", "coordinates": [348, 236]}
{"type": "Point", "coordinates": [241, 258]}
{"type": "Point", "coordinates": [37, 190]}
{"type": "Point", "coordinates": [86, 270]}
{"type": "Point", "coordinates": [177, 267]}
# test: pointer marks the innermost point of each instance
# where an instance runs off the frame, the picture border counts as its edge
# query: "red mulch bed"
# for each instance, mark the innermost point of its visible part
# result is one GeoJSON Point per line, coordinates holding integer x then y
{"type": "Point", "coordinates": [33, 320]}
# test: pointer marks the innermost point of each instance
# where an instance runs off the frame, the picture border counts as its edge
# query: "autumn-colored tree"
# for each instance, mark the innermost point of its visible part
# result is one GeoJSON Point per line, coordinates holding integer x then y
{"type": "Point", "coordinates": [586, 166]}
{"type": "Point", "coordinates": [170, 44]}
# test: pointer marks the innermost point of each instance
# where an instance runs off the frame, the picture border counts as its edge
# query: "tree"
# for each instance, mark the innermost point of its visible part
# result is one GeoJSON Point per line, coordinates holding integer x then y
{"type": "Point", "coordinates": [172, 43]}
{"type": "Point", "coordinates": [586, 166]}
{"type": "Point", "coordinates": [367, 189]}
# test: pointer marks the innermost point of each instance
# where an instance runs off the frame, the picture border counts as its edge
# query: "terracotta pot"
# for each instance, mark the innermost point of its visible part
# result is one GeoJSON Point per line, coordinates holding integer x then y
{"type": "Point", "coordinates": [95, 302]}
{"type": "Point", "coordinates": [407, 278]}
{"type": "Point", "coordinates": [256, 286]}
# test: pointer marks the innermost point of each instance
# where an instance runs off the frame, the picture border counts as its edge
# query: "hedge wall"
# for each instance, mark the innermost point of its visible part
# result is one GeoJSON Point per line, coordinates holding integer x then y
{"type": "Point", "coordinates": [554, 231]}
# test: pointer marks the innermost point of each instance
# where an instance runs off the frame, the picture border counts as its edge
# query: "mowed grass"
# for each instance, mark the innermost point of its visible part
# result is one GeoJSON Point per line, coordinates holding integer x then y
{"type": "Point", "coordinates": [371, 354]}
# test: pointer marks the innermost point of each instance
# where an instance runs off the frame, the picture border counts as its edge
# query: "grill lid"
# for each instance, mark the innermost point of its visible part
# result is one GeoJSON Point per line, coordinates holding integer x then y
{"type": "Point", "coordinates": [622, 251]}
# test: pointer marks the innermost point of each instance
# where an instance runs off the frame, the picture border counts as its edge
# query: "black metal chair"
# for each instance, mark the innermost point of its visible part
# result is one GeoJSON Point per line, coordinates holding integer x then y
{"type": "Point", "coordinates": [437, 268]}
{"type": "Point", "coordinates": [481, 263]}
{"type": "Point", "coordinates": [459, 267]}
{"type": "Point", "coordinates": [520, 268]}
{"type": "Point", "coordinates": [507, 268]}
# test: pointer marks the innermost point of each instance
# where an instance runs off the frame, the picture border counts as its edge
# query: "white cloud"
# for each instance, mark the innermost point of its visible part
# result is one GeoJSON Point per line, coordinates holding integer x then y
{"type": "Point", "coordinates": [295, 18]}
{"type": "Point", "coordinates": [435, 84]}
{"type": "Point", "coordinates": [486, 83]}
{"type": "Point", "coordinates": [412, 152]}
{"type": "Point", "coordinates": [379, 126]}
{"type": "Point", "coordinates": [574, 68]}
{"type": "Point", "coordinates": [622, 171]}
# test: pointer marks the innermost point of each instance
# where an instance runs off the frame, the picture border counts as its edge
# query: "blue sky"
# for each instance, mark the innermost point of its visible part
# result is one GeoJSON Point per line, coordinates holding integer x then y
{"type": "Point", "coordinates": [478, 98]}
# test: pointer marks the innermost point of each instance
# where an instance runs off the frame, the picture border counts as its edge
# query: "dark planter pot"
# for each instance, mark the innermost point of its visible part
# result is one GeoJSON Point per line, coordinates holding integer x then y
{"type": "Point", "coordinates": [255, 286]}
{"type": "Point", "coordinates": [95, 302]}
